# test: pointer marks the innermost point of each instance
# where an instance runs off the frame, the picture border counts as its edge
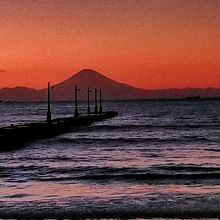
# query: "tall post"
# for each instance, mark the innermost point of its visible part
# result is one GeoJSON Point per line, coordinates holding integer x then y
{"type": "Point", "coordinates": [76, 114]}
{"type": "Point", "coordinates": [96, 105]}
{"type": "Point", "coordinates": [100, 101]}
{"type": "Point", "coordinates": [88, 108]}
{"type": "Point", "coordinates": [48, 104]}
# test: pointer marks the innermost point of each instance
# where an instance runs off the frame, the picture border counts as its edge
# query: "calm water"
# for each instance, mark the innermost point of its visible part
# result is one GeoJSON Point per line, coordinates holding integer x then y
{"type": "Point", "coordinates": [156, 159]}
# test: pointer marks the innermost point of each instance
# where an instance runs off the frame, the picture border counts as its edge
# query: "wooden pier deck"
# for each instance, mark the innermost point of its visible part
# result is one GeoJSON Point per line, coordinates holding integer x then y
{"type": "Point", "coordinates": [14, 137]}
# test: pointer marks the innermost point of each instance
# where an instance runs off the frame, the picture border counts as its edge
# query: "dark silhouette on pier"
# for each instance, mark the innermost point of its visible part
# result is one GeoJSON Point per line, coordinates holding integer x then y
{"type": "Point", "coordinates": [96, 104]}
{"type": "Point", "coordinates": [48, 104]}
{"type": "Point", "coordinates": [76, 114]}
{"type": "Point", "coordinates": [100, 101]}
{"type": "Point", "coordinates": [88, 101]}
{"type": "Point", "coordinates": [14, 137]}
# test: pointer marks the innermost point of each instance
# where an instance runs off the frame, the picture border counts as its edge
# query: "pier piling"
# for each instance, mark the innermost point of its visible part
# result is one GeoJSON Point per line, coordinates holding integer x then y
{"type": "Point", "coordinates": [100, 101]}
{"type": "Point", "coordinates": [96, 105]}
{"type": "Point", "coordinates": [48, 104]}
{"type": "Point", "coordinates": [76, 113]}
{"type": "Point", "coordinates": [88, 108]}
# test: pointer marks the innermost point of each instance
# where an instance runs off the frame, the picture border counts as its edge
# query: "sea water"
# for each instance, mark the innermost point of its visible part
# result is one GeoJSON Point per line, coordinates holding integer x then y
{"type": "Point", "coordinates": [155, 159]}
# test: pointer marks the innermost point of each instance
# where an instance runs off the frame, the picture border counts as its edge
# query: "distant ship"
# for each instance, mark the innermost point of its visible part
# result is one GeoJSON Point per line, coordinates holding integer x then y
{"type": "Point", "coordinates": [193, 97]}
{"type": "Point", "coordinates": [9, 101]}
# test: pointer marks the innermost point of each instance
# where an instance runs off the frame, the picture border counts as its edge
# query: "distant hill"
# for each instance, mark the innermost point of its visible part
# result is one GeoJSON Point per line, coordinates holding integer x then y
{"type": "Point", "coordinates": [111, 90]}
{"type": "Point", "coordinates": [18, 94]}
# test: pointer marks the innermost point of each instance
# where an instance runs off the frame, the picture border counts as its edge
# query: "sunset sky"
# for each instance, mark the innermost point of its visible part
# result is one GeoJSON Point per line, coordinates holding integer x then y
{"type": "Point", "coordinates": [149, 44]}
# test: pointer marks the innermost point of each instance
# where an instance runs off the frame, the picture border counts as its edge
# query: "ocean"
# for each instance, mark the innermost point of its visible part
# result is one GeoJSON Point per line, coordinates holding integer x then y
{"type": "Point", "coordinates": [155, 159]}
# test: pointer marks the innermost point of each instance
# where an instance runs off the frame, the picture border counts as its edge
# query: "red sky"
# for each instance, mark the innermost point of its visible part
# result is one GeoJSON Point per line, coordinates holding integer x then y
{"type": "Point", "coordinates": [150, 44]}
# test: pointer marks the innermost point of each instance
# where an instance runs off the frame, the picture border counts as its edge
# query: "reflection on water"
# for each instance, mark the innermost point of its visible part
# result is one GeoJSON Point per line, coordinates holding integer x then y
{"type": "Point", "coordinates": [154, 159]}
{"type": "Point", "coordinates": [50, 191]}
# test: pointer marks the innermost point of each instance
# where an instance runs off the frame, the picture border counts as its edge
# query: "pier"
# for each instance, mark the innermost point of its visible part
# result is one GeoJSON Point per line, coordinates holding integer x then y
{"type": "Point", "coordinates": [15, 136]}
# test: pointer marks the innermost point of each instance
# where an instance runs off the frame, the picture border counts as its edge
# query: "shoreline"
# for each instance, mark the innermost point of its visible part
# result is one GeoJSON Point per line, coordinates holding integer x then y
{"type": "Point", "coordinates": [48, 214]}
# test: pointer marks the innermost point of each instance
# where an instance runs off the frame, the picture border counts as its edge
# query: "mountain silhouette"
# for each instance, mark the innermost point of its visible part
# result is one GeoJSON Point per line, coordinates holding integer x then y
{"type": "Point", "coordinates": [92, 79]}
{"type": "Point", "coordinates": [111, 90]}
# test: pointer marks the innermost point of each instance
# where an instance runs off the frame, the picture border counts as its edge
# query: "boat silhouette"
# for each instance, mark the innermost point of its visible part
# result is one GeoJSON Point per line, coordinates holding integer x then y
{"type": "Point", "coordinates": [193, 97]}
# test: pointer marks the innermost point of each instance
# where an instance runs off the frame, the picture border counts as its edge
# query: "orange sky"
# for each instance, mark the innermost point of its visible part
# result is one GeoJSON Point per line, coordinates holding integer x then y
{"type": "Point", "coordinates": [146, 43]}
